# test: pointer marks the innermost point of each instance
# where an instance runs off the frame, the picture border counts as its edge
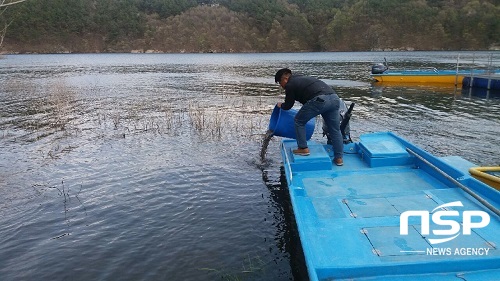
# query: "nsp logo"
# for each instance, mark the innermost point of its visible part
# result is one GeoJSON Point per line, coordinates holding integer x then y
{"type": "Point", "coordinates": [438, 217]}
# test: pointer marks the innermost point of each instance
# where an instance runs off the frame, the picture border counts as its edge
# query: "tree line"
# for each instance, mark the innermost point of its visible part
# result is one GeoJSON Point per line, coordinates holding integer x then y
{"type": "Point", "coordinates": [53, 26]}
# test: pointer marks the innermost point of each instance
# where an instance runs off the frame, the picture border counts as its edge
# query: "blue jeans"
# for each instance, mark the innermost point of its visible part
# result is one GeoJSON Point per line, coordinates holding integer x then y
{"type": "Point", "coordinates": [328, 106]}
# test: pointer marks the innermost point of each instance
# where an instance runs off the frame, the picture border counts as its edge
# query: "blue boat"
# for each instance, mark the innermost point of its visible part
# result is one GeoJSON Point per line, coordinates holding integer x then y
{"type": "Point", "coordinates": [392, 212]}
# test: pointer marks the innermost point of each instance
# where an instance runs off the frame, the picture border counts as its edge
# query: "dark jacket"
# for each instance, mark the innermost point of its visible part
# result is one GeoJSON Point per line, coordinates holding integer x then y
{"type": "Point", "coordinates": [303, 88]}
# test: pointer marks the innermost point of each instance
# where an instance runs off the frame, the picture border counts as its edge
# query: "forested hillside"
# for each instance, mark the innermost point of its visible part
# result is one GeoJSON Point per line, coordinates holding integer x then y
{"type": "Point", "coordinates": [250, 25]}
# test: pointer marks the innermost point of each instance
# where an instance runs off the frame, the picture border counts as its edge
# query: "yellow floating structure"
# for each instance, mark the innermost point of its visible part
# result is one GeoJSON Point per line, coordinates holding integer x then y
{"type": "Point", "coordinates": [381, 73]}
{"type": "Point", "coordinates": [420, 77]}
{"type": "Point", "coordinates": [481, 173]}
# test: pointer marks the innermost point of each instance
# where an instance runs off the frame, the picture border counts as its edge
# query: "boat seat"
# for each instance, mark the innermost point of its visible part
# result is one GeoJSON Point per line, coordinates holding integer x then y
{"type": "Point", "coordinates": [383, 149]}
{"type": "Point", "coordinates": [319, 159]}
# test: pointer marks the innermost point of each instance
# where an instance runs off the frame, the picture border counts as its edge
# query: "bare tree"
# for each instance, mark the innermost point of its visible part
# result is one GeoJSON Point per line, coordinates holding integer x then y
{"type": "Point", "coordinates": [4, 4]}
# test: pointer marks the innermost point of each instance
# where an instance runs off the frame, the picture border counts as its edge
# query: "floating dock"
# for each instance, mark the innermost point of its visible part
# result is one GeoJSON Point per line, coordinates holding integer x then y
{"type": "Point", "coordinates": [489, 82]}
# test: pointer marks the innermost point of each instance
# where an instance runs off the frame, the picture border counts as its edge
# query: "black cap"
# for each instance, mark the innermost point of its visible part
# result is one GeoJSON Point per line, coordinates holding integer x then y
{"type": "Point", "coordinates": [280, 73]}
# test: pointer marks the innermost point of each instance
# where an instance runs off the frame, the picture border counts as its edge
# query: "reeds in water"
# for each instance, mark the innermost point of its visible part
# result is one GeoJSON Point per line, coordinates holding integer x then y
{"type": "Point", "coordinates": [57, 113]}
{"type": "Point", "coordinates": [251, 265]}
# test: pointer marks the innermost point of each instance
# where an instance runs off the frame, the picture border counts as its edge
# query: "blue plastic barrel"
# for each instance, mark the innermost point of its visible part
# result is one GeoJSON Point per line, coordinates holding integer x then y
{"type": "Point", "coordinates": [283, 125]}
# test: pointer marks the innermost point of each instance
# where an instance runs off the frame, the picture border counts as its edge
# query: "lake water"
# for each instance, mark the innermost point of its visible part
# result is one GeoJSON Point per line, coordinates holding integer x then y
{"type": "Point", "coordinates": [149, 166]}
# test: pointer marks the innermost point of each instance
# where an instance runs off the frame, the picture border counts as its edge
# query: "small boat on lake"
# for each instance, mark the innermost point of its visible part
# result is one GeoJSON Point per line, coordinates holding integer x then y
{"type": "Point", "coordinates": [488, 175]}
{"type": "Point", "coordinates": [392, 212]}
{"type": "Point", "coordinates": [381, 73]}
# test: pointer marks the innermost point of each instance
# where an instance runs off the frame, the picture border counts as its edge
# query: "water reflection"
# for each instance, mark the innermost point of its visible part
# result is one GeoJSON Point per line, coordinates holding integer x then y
{"type": "Point", "coordinates": [286, 237]}
{"type": "Point", "coordinates": [480, 93]}
{"type": "Point", "coordinates": [378, 88]}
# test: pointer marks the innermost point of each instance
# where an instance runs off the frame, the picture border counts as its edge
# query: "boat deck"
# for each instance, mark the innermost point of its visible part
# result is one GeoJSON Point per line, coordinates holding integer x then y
{"type": "Point", "coordinates": [349, 217]}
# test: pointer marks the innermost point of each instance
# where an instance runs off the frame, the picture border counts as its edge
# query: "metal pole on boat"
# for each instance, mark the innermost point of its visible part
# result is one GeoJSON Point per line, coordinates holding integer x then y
{"type": "Point", "coordinates": [490, 71]}
{"type": "Point", "coordinates": [471, 83]}
{"type": "Point", "coordinates": [456, 74]}
{"type": "Point", "coordinates": [463, 187]}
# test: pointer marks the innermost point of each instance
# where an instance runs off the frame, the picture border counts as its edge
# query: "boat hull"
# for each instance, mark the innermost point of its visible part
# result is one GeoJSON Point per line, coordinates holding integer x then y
{"type": "Point", "coordinates": [419, 78]}
{"type": "Point", "coordinates": [349, 217]}
{"type": "Point", "coordinates": [429, 76]}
